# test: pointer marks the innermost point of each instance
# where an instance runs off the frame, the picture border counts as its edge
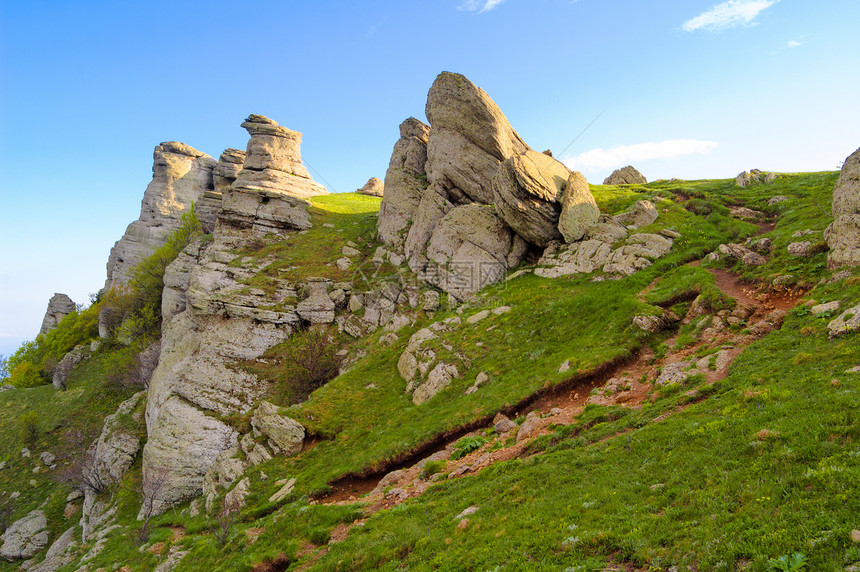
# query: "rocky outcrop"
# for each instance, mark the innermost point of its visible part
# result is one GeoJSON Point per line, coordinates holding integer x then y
{"type": "Point", "coordinates": [635, 253]}
{"type": "Point", "coordinates": [754, 176]}
{"type": "Point", "coordinates": [180, 175]}
{"type": "Point", "coordinates": [642, 214]}
{"type": "Point", "coordinates": [318, 307]}
{"type": "Point", "coordinates": [285, 435]}
{"type": "Point", "coordinates": [25, 537]}
{"type": "Point", "coordinates": [625, 176]}
{"type": "Point", "coordinates": [59, 554]}
{"type": "Point", "coordinates": [229, 165]}
{"type": "Point", "coordinates": [843, 234]}
{"type": "Point", "coordinates": [65, 366]}
{"type": "Point", "coordinates": [59, 306]}
{"type": "Point", "coordinates": [373, 187]}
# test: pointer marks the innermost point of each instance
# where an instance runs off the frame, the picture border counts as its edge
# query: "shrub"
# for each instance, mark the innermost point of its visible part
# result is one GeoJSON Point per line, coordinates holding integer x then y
{"type": "Point", "coordinates": [28, 423]}
{"type": "Point", "coordinates": [27, 374]}
{"type": "Point", "coordinates": [467, 445]}
{"type": "Point", "coordinates": [431, 468]}
{"type": "Point", "coordinates": [311, 356]}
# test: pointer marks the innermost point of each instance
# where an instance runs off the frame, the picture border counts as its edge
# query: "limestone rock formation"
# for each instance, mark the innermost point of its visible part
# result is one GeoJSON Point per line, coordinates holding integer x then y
{"type": "Point", "coordinates": [373, 187]}
{"type": "Point", "coordinates": [625, 176]}
{"type": "Point", "coordinates": [180, 175]}
{"type": "Point", "coordinates": [119, 442]}
{"type": "Point", "coordinates": [65, 366]}
{"type": "Point", "coordinates": [579, 211]}
{"type": "Point", "coordinates": [843, 234]}
{"type": "Point", "coordinates": [59, 306]}
{"type": "Point", "coordinates": [318, 307]}
{"type": "Point", "coordinates": [25, 537]}
{"type": "Point", "coordinates": [754, 176]}
{"type": "Point", "coordinates": [527, 191]}
{"type": "Point", "coordinates": [229, 165]}
{"type": "Point", "coordinates": [642, 214]}
{"type": "Point", "coordinates": [59, 554]}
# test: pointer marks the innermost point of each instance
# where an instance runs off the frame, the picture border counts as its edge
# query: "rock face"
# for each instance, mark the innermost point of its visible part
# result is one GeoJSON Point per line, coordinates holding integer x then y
{"type": "Point", "coordinates": [843, 234]}
{"type": "Point", "coordinates": [59, 306]}
{"type": "Point", "coordinates": [579, 210]}
{"type": "Point", "coordinates": [180, 175]}
{"type": "Point", "coordinates": [470, 156]}
{"type": "Point", "coordinates": [65, 366]}
{"type": "Point", "coordinates": [25, 537]}
{"type": "Point", "coordinates": [211, 318]}
{"type": "Point", "coordinates": [373, 187]}
{"type": "Point", "coordinates": [119, 442]}
{"type": "Point", "coordinates": [625, 176]}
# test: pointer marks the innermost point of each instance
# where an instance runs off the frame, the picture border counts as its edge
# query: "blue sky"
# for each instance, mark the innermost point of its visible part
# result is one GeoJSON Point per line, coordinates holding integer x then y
{"type": "Point", "coordinates": [688, 89]}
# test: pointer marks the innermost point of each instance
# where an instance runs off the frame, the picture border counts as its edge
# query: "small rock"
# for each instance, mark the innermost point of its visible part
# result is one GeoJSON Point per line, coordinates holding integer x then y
{"type": "Point", "coordinates": [467, 512]}
{"type": "Point", "coordinates": [475, 318]}
{"type": "Point", "coordinates": [349, 251]}
{"type": "Point", "coordinates": [668, 233]}
{"type": "Point", "coordinates": [431, 300]}
{"type": "Point", "coordinates": [501, 310]}
{"type": "Point", "coordinates": [848, 321]}
{"type": "Point", "coordinates": [25, 452]}
{"type": "Point", "coordinates": [343, 263]}
{"type": "Point", "coordinates": [48, 458]}
{"type": "Point", "coordinates": [855, 535]}
{"type": "Point", "coordinates": [803, 249]}
{"type": "Point", "coordinates": [530, 427]}
{"type": "Point", "coordinates": [822, 308]}
{"type": "Point", "coordinates": [778, 199]}
{"type": "Point", "coordinates": [502, 424]}
{"type": "Point", "coordinates": [565, 367]}
{"type": "Point", "coordinates": [285, 489]}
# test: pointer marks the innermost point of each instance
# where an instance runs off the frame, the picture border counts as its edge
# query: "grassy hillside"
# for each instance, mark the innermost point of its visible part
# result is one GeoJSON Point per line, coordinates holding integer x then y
{"type": "Point", "coordinates": [721, 476]}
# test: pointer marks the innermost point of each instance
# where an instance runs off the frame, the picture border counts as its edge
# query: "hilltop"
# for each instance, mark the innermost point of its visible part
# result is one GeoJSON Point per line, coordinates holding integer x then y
{"type": "Point", "coordinates": [495, 365]}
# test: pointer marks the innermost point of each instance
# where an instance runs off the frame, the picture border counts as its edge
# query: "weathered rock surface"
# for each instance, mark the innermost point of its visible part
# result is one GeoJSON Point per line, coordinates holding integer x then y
{"type": "Point", "coordinates": [579, 210]}
{"type": "Point", "coordinates": [180, 175]}
{"type": "Point", "coordinates": [527, 191]}
{"type": "Point", "coordinates": [470, 137]}
{"type": "Point", "coordinates": [843, 234]}
{"type": "Point", "coordinates": [228, 168]}
{"type": "Point", "coordinates": [59, 554]}
{"type": "Point", "coordinates": [286, 435]}
{"type": "Point", "coordinates": [25, 537]}
{"type": "Point", "coordinates": [738, 252]}
{"type": "Point", "coordinates": [470, 248]}
{"type": "Point", "coordinates": [373, 187]}
{"type": "Point", "coordinates": [625, 176]}
{"type": "Point", "coordinates": [848, 321]}
{"type": "Point", "coordinates": [754, 176]}
{"type": "Point", "coordinates": [59, 306]}
{"type": "Point", "coordinates": [318, 307]}
{"type": "Point", "coordinates": [636, 253]}
{"type": "Point", "coordinates": [438, 379]}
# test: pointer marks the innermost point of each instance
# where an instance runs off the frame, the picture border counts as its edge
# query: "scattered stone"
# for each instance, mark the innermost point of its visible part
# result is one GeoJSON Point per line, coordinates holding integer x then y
{"type": "Point", "coordinates": [235, 499]}
{"type": "Point", "coordinates": [373, 187]}
{"type": "Point", "coordinates": [654, 323]}
{"type": "Point", "coordinates": [771, 322]}
{"type": "Point", "coordinates": [761, 245]}
{"type": "Point", "coordinates": [480, 380]}
{"type": "Point", "coordinates": [625, 176]}
{"type": "Point", "coordinates": [440, 378]}
{"type": "Point", "coordinates": [855, 536]}
{"type": "Point", "coordinates": [475, 318]}
{"type": "Point", "coordinates": [843, 234]}
{"type": "Point", "coordinates": [502, 424]}
{"type": "Point", "coordinates": [530, 427]}
{"type": "Point", "coordinates": [48, 458]}
{"type": "Point", "coordinates": [65, 366]}
{"type": "Point", "coordinates": [467, 512]}
{"type": "Point", "coordinates": [642, 214]}
{"type": "Point", "coordinates": [431, 301]}
{"type": "Point", "coordinates": [286, 435]}
{"type": "Point", "coordinates": [848, 321]}
{"type": "Point", "coordinates": [745, 213]}
{"type": "Point", "coordinates": [565, 367]}
{"type": "Point", "coordinates": [350, 251]}
{"type": "Point", "coordinates": [25, 452]}
{"type": "Point", "coordinates": [778, 199]}
{"type": "Point", "coordinates": [754, 176]}
{"type": "Point", "coordinates": [803, 249]}
{"type": "Point", "coordinates": [671, 234]}
{"type": "Point", "coordinates": [742, 253]}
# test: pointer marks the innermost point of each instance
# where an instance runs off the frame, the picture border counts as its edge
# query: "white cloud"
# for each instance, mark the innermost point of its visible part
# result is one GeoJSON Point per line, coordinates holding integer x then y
{"type": "Point", "coordinates": [621, 155]}
{"type": "Point", "coordinates": [728, 14]}
{"type": "Point", "coordinates": [794, 44]}
{"type": "Point", "coordinates": [479, 5]}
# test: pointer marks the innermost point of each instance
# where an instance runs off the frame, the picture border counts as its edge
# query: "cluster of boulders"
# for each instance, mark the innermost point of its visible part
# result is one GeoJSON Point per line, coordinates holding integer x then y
{"type": "Point", "coordinates": [843, 234]}
{"type": "Point", "coordinates": [465, 197]}
{"type": "Point", "coordinates": [754, 176]}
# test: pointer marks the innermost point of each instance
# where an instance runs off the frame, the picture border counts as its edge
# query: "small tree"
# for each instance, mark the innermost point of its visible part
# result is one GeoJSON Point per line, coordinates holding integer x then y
{"type": "Point", "coordinates": [226, 518]}
{"type": "Point", "coordinates": [28, 423]}
{"type": "Point", "coordinates": [83, 473]}
{"type": "Point", "coordinates": [313, 360]}
{"type": "Point", "coordinates": [153, 488]}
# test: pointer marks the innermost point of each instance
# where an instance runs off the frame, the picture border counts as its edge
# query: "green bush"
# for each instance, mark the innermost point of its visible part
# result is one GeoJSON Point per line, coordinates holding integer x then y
{"type": "Point", "coordinates": [431, 468]}
{"type": "Point", "coordinates": [27, 374]}
{"type": "Point", "coordinates": [467, 445]}
{"type": "Point", "coordinates": [28, 424]}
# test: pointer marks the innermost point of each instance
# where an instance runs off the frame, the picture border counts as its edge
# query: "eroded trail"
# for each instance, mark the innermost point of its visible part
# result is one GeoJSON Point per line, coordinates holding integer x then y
{"type": "Point", "coordinates": [628, 384]}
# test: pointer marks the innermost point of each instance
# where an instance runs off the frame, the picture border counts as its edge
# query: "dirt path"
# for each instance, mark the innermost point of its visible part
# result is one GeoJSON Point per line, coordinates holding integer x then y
{"type": "Point", "coordinates": [629, 384]}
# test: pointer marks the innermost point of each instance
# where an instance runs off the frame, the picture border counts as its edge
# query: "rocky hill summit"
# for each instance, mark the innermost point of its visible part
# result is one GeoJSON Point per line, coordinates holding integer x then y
{"type": "Point", "coordinates": [482, 363]}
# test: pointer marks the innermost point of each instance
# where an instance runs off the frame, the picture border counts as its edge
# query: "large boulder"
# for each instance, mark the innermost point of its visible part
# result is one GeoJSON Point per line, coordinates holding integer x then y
{"type": "Point", "coordinates": [470, 248]}
{"type": "Point", "coordinates": [285, 435]}
{"type": "Point", "coordinates": [405, 182]}
{"type": "Point", "coordinates": [180, 175]}
{"type": "Point", "coordinates": [25, 537]}
{"type": "Point", "coordinates": [641, 214]}
{"type": "Point", "coordinates": [59, 306]}
{"type": "Point", "coordinates": [318, 307]}
{"type": "Point", "coordinates": [843, 234]}
{"type": "Point", "coordinates": [65, 366]}
{"type": "Point", "coordinates": [625, 176]}
{"type": "Point", "coordinates": [579, 211]}
{"type": "Point", "coordinates": [470, 137]}
{"type": "Point", "coordinates": [526, 191]}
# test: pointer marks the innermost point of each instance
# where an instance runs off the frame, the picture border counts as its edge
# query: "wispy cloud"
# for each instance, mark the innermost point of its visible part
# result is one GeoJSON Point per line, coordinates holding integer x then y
{"type": "Point", "coordinates": [621, 155]}
{"type": "Point", "coordinates": [794, 44]}
{"type": "Point", "coordinates": [479, 6]}
{"type": "Point", "coordinates": [727, 15]}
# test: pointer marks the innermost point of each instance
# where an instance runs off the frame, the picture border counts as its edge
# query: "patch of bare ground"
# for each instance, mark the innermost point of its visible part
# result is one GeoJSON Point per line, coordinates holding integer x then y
{"type": "Point", "coordinates": [279, 564]}
{"type": "Point", "coordinates": [626, 383]}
